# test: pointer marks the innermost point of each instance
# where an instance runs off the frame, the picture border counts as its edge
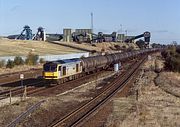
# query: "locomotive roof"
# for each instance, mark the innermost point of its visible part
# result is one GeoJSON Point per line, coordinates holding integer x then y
{"type": "Point", "coordinates": [65, 61]}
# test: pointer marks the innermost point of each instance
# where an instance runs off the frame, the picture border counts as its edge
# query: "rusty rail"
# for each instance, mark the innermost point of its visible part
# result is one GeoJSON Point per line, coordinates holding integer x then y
{"type": "Point", "coordinates": [25, 114]}
{"type": "Point", "coordinates": [19, 90]}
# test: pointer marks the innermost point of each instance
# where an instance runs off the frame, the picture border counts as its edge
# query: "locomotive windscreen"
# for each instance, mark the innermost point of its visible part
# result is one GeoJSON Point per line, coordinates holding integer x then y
{"type": "Point", "coordinates": [50, 67]}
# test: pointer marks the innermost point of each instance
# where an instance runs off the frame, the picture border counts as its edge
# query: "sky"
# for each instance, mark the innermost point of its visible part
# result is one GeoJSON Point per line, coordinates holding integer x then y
{"type": "Point", "coordinates": [160, 17]}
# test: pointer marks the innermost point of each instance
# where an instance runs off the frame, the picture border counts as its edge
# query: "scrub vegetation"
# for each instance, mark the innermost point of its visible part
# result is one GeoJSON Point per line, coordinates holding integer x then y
{"type": "Point", "coordinates": [31, 59]}
{"type": "Point", "coordinates": [172, 59]}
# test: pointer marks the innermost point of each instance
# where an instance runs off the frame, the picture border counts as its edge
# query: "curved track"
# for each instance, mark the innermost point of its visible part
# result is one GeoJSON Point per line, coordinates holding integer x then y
{"type": "Point", "coordinates": [78, 115]}
{"type": "Point", "coordinates": [40, 88]}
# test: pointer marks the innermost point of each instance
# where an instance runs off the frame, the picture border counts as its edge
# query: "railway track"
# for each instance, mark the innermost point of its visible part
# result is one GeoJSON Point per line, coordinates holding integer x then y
{"type": "Point", "coordinates": [40, 88]}
{"type": "Point", "coordinates": [14, 73]}
{"type": "Point", "coordinates": [18, 91]}
{"type": "Point", "coordinates": [57, 89]}
{"type": "Point", "coordinates": [49, 90]}
{"type": "Point", "coordinates": [79, 114]}
{"type": "Point", "coordinates": [32, 89]}
{"type": "Point", "coordinates": [15, 76]}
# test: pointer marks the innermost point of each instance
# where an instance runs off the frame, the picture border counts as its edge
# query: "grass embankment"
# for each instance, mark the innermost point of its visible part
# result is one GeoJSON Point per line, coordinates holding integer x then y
{"type": "Point", "coordinates": [23, 47]}
{"type": "Point", "coordinates": [157, 104]}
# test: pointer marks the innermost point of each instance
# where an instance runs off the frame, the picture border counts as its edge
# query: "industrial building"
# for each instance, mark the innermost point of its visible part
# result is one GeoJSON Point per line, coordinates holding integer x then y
{"type": "Point", "coordinates": [77, 35]}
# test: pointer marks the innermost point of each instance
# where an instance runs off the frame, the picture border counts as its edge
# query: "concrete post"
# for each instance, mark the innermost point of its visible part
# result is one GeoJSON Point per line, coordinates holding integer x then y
{"type": "Point", "coordinates": [116, 67]}
{"type": "Point", "coordinates": [44, 36]}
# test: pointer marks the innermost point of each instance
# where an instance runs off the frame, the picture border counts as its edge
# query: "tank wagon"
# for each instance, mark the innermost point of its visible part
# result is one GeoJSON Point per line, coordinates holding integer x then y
{"type": "Point", "coordinates": [69, 69]}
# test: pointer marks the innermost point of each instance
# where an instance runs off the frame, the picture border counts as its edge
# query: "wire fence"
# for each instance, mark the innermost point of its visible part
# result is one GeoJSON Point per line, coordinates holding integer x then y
{"type": "Point", "coordinates": [25, 114]}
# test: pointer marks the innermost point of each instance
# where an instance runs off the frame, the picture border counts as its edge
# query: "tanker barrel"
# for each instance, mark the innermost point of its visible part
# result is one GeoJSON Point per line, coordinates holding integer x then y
{"type": "Point", "coordinates": [110, 59]}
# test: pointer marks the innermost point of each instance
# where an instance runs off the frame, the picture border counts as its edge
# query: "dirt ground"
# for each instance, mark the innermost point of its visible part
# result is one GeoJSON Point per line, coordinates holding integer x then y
{"type": "Point", "coordinates": [9, 112]}
{"type": "Point", "coordinates": [55, 106]}
{"type": "Point", "coordinates": [150, 105]}
{"type": "Point", "coordinates": [169, 82]}
{"type": "Point", "coordinates": [108, 47]}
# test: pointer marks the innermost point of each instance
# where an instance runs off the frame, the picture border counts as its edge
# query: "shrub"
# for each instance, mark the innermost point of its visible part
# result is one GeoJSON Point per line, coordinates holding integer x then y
{"type": "Point", "coordinates": [124, 46]}
{"type": "Point", "coordinates": [32, 59]}
{"type": "Point", "coordinates": [165, 54]}
{"type": "Point", "coordinates": [93, 45]}
{"type": "Point", "coordinates": [131, 48]}
{"type": "Point", "coordinates": [178, 50]}
{"type": "Point", "coordinates": [93, 51]}
{"type": "Point", "coordinates": [41, 60]}
{"type": "Point", "coordinates": [82, 56]}
{"type": "Point", "coordinates": [10, 64]}
{"type": "Point", "coordinates": [175, 64]}
{"type": "Point", "coordinates": [102, 50]}
{"type": "Point", "coordinates": [117, 47]}
{"type": "Point", "coordinates": [18, 60]}
{"type": "Point", "coordinates": [2, 63]}
{"type": "Point", "coordinates": [172, 59]}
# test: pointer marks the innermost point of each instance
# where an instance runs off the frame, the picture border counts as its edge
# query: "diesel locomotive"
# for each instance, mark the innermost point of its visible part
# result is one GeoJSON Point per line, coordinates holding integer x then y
{"type": "Point", "coordinates": [69, 69]}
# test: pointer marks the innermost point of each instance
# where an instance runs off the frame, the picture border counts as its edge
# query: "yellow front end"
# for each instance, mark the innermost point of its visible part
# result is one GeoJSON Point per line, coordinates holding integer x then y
{"type": "Point", "coordinates": [50, 75]}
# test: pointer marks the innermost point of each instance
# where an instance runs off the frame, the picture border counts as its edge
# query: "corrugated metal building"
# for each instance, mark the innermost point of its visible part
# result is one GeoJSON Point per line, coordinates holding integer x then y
{"type": "Point", "coordinates": [82, 31]}
{"type": "Point", "coordinates": [67, 35]}
{"type": "Point", "coordinates": [120, 37]}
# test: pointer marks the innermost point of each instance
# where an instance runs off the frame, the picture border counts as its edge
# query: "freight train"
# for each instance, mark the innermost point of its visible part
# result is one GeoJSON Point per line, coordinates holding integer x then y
{"type": "Point", "coordinates": [64, 70]}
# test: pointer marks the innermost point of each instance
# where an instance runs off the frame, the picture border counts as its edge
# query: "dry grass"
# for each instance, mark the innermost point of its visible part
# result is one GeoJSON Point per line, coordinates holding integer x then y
{"type": "Point", "coordinates": [53, 106]}
{"type": "Point", "coordinates": [107, 46]}
{"type": "Point", "coordinates": [10, 112]}
{"type": "Point", "coordinates": [19, 68]}
{"type": "Point", "coordinates": [154, 108]}
{"type": "Point", "coordinates": [23, 47]}
{"type": "Point", "coordinates": [170, 82]}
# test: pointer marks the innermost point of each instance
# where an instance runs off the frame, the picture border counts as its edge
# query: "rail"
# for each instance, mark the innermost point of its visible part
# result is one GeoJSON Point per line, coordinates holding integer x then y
{"type": "Point", "coordinates": [19, 90]}
{"type": "Point", "coordinates": [74, 118]}
{"type": "Point", "coordinates": [19, 72]}
{"type": "Point", "coordinates": [25, 114]}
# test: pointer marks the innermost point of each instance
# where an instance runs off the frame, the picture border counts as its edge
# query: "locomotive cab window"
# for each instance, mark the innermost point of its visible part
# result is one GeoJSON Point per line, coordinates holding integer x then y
{"type": "Point", "coordinates": [64, 70]}
{"type": "Point", "coordinates": [59, 68]}
{"type": "Point", "coordinates": [77, 67]}
{"type": "Point", "coordinates": [50, 67]}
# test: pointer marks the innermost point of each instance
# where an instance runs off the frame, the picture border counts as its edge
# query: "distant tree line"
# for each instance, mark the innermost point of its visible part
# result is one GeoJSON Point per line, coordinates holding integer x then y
{"type": "Point", "coordinates": [172, 58]}
{"type": "Point", "coordinates": [31, 59]}
{"type": "Point", "coordinates": [154, 45]}
{"type": "Point", "coordinates": [141, 44]}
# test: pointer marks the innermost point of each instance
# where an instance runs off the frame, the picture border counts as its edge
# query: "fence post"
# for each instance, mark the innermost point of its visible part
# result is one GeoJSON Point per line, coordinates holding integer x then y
{"type": "Point", "coordinates": [25, 92]}
{"type": "Point", "coordinates": [10, 95]}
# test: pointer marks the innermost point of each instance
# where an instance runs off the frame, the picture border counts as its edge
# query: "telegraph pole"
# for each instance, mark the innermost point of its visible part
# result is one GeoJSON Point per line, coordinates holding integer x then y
{"type": "Point", "coordinates": [126, 32]}
{"type": "Point", "coordinates": [92, 21]}
{"type": "Point", "coordinates": [121, 29]}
